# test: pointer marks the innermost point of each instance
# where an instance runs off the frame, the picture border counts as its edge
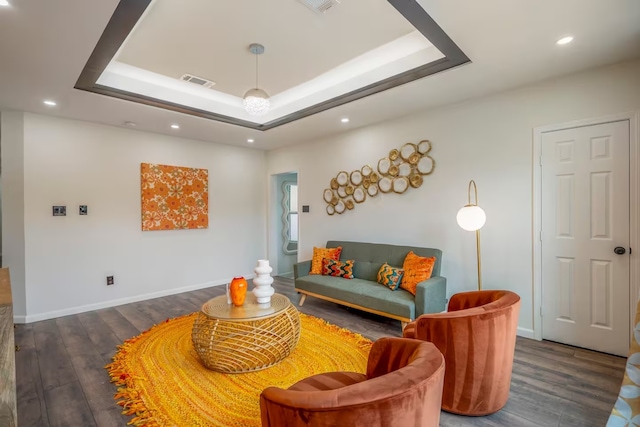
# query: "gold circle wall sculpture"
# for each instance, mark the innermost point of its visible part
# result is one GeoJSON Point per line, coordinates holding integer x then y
{"type": "Point", "coordinates": [402, 169]}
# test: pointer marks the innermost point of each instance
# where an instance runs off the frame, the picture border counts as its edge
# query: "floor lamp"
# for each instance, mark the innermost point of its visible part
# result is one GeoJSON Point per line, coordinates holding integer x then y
{"type": "Point", "coordinates": [471, 218]}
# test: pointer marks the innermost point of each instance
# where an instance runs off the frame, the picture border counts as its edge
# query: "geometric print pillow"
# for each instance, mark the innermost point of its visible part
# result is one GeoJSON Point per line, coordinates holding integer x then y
{"type": "Point", "coordinates": [335, 268]}
{"type": "Point", "coordinates": [321, 253]}
{"type": "Point", "coordinates": [390, 276]}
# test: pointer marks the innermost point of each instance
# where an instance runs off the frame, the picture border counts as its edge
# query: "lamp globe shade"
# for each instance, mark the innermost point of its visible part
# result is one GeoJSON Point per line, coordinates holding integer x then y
{"type": "Point", "coordinates": [256, 102]}
{"type": "Point", "coordinates": [471, 218]}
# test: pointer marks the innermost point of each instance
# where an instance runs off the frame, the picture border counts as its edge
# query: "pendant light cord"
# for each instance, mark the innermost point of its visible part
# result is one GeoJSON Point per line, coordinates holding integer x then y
{"type": "Point", "coordinates": [256, 70]}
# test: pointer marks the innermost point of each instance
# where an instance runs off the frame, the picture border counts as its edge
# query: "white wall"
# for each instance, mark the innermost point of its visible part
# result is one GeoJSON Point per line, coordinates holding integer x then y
{"type": "Point", "coordinates": [68, 258]}
{"type": "Point", "coordinates": [489, 140]}
{"type": "Point", "coordinates": [13, 244]}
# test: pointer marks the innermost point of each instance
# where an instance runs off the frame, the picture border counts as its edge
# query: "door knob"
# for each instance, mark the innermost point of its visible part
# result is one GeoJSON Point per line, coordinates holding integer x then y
{"type": "Point", "coordinates": [619, 250]}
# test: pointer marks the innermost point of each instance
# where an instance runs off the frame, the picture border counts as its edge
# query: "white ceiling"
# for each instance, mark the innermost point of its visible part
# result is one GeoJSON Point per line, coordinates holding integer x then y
{"type": "Point", "coordinates": [45, 44]}
{"type": "Point", "coordinates": [211, 39]}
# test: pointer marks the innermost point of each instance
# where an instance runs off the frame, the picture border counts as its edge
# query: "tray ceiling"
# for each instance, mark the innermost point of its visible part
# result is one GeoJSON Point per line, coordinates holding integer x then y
{"type": "Point", "coordinates": [313, 62]}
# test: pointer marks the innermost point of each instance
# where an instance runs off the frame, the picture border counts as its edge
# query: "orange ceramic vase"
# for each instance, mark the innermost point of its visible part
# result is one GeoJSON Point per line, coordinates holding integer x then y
{"type": "Point", "coordinates": [238, 290]}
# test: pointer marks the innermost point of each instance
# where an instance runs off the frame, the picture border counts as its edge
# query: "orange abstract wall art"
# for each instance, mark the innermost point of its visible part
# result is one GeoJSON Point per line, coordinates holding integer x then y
{"type": "Point", "coordinates": [174, 197]}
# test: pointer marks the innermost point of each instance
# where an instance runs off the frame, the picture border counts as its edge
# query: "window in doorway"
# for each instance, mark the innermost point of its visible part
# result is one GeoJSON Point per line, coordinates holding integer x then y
{"type": "Point", "coordinates": [290, 217]}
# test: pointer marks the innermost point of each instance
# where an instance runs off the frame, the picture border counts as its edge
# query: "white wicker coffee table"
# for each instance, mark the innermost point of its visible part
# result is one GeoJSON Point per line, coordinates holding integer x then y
{"type": "Point", "coordinates": [247, 338]}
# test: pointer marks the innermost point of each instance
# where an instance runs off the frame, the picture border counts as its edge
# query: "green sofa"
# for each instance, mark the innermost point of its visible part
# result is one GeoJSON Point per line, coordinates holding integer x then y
{"type": "Point", "coordinates": [364, 292]}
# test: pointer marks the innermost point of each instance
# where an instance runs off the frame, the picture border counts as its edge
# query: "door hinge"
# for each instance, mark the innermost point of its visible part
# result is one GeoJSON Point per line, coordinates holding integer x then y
{"type": "Point", "coordinates": [541, 311]}
{"type": "Point", "coordinates": [540, 160]}
{"type": "Point", "coordinates": [541, 235]}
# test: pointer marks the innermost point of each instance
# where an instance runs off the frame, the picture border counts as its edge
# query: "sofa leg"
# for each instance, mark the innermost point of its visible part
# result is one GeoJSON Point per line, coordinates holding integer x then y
{"type": "Point", "coordinates": [404, 325]}
{"type": "Point", "coordinates": [302, 298]}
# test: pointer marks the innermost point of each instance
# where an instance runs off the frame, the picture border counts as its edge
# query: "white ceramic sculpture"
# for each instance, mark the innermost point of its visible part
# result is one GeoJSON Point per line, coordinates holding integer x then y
{"type": "Point", "coordinates": [262, 283]}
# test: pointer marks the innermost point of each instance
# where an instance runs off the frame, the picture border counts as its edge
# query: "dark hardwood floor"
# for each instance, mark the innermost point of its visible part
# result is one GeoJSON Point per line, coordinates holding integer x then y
{"type": "Point", "coordinates": [62, 381]}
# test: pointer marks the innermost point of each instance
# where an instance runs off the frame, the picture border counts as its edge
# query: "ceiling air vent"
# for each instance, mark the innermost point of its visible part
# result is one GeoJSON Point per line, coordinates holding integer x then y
{"type": "Point", "coordinates": [319, 6]}
{"type": "Point", "coordinates": [197, 81]}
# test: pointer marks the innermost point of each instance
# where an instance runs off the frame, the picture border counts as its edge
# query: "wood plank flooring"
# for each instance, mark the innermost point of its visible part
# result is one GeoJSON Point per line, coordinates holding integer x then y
{"type": "Point", "coordinates": [62, 381]}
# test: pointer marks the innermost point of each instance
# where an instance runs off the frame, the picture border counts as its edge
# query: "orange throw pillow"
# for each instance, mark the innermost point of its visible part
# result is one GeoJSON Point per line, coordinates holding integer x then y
{"type": "Point", "coordinates": [319, 254]}
{"type": "Point", "coordinates": [416, 269]}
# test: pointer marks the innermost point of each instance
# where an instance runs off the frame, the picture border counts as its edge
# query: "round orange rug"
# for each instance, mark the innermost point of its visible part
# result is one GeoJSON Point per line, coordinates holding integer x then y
{"type": "Point", "coordinates": [162, 383]}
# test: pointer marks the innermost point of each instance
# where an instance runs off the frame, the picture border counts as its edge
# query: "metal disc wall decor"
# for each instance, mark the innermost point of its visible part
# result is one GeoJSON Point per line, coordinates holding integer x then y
{"type": "Point", "coordinates": [424, 146]}
{"type": "Point", "coordinates": [327, 195]}
{"type": "Point", "coordinates": [403, 168]}
{"type": "Point", "coordinates": [415, 180]}
{"type": "Point", "coordinates": [349, 204]}
{"type": "Point", "coordinates": [359, 195]}
{"type": "Point", "coordinates": [400, 184]}
{"type": "Point", "coordinates": [356, 178]}
{"type": "Point", "coordinates": [407, 150]}
{"type": "Point", "coordinates": [342, 178]}
{"type": "Point", "coordinates": [384, 165]}
{"type": "Point", "coordinates": [386, 184]}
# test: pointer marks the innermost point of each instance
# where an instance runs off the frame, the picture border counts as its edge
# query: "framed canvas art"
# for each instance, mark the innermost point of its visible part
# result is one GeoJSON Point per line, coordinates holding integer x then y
{"type": "Point", "coordinates": [174, 197]}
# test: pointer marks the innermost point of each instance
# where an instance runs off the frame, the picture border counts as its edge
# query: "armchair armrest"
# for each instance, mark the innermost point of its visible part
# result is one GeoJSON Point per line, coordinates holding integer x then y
{"type": "Point", "coordinates": [301, 269]}
{"type": "Point", "coordinates": [431, 296]}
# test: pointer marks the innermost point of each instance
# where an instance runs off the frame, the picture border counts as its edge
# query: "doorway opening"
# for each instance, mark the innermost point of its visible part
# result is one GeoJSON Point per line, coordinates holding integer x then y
{"type": "Point", "coordinates": [284, 224]}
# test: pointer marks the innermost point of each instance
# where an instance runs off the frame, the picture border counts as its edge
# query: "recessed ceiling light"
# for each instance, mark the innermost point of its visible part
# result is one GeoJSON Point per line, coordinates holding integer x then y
{"type": "Point", "coordinates": [4, 3]}
{"type": "Point", "coordinates": [345, 120]}
{"type": "Point", "coordinates": [565, 40]}
{"type": "Point", "coordinates": [49, 102]}
{"type": "Point", "coordinates": [250, 141]}
{"type": "Point", "coordinates": [175, 126]}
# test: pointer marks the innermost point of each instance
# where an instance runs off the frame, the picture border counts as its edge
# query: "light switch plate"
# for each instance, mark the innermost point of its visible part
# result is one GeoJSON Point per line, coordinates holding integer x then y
{"type": "Point", "coordinates": [59, 211]}
{"type": "Point", "coordinates": [83, 210]}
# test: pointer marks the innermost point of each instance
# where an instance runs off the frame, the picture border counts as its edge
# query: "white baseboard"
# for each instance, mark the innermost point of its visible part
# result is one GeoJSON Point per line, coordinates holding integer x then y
{"type": "Point", "coordinates": [30, 318]}
{"type": "Point", "coordinates": [525, 333]}
{"type": "Point", "coordinates": [19, 319]}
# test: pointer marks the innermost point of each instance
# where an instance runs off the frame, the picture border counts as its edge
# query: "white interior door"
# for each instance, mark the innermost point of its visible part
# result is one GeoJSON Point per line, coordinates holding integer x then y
{"type": "Point", "coordinates": [585, 216]}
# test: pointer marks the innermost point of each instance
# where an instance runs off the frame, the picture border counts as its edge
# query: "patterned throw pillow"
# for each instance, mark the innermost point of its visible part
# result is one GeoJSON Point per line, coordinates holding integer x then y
{"type": "Point", "coordinates": [321, 253]}
{"type": "Point", "coordinates": [390, 276]}
{"type": "Point", "coordinates": [332, 267]}
{"type": "Point", "coordinates": [416, 269]}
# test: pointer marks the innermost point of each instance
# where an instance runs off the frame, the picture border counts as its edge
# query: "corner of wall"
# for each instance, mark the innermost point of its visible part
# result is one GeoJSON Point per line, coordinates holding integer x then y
{"type": "Point", "coordinates": [12, 182]}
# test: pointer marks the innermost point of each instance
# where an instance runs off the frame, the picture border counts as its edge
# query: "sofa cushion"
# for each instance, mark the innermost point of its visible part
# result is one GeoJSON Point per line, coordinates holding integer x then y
{"type": "Point", "coordinates": [416, 269]}
{"type": "Point", "coordinates": [390, 276]}
{"type": "Point", "coordinates": [335, 268]}
{"type": "Point", "coordinates": [363, 293]}
{"type": "Point", "coordinates": [366, 270]}
{"type": "Point", "coordinates": [321, 253]}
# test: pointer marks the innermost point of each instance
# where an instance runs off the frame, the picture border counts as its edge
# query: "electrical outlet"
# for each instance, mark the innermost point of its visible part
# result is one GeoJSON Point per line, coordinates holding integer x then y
{"type": "Point", "coordinates": [110, 280]}
{"type": "Point", "coordinates": [59, 211]}
{"type": "Point", "coordinates": [305, 208]}
{"type": "Point", "coordinates": [83, 210]}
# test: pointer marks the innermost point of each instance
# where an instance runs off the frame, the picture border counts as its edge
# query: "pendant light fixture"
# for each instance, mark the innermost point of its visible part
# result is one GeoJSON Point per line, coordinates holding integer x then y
{"type": "Point", "coordinates": [256, 101]}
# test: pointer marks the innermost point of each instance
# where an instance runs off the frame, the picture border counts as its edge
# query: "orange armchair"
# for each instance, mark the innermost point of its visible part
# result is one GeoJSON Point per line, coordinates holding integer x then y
{"type": "Point", "coordinates": [477, 337]}
{"type": "Point", "coordinates": [402, 387]}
